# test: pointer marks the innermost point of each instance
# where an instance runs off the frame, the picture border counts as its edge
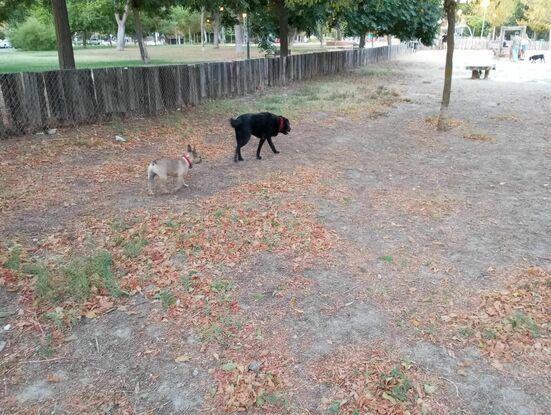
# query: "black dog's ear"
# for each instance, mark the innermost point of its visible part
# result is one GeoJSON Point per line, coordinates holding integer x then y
{"type": "Point", "coordinates": [189, 148]}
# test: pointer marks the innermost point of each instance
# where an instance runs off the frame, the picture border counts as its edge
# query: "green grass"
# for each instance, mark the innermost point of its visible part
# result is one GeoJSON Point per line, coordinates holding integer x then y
{"type": "Point", "coordinates": [14, 260]}
{"type": "Point", "coordinates": [270, 399]}
{"type": "Point", "coordinates": [401, 389]}
{"type": "Point", "coordinates": [345, 94]}
{"type": "Point", "coordinates": [167, 299]}
{"type": "Point", "coordinates": [43, 288]}
{"type": "Point", "coordinates": [520, 320]}
{"type": "Point", "coordinates": [45, 347]}
{"type": "Point", "coordinates": [97, 57]}
{"type": "Point", "coordinates": [222, 286]}
{"type": "Point", "coordinates": [75, 280]}
{"type": "Point", "coordinates": [96, 271]}
{"type": "Point", "coordinates": [133, 247]}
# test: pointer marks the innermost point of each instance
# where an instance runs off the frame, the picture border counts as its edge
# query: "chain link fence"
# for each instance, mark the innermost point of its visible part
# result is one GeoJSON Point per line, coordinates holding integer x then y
{"type": "Point", "coordinates": [36, 101]}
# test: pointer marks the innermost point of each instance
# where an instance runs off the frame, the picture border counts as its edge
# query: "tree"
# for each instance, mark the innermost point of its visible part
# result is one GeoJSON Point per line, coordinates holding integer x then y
{"type": "Point", "coordinates": [63, 35]}
{"type": "Point", "coordinates": [212, 8]}
{"type": "Point", "coordinates": [538, 16]}
{"type": "Point", "coordinates": [14, 11]}
{"type": "Point", "coordinates": [158, 7]}
{"type": "Point", "coordinates": [135, 4]}
{"type": "Point", "coordinates": [450, 7]}
{"type": "Point", "coordinates": [401, 18]}
{"type": "Point", "coordinates": [33, 34]}
{"type": "Point", "coordinates": [88, 16]}
{"type": "Point", "coordinates": [283, 18]}
{"type": "Point", "coordinates": [501, 12]}
{"type": "Point", "coordinates": [180, 21]}
{"type": "Point", "coordinates": [310, 18]}
{"type": "Point", "coordinates": [121, 14]}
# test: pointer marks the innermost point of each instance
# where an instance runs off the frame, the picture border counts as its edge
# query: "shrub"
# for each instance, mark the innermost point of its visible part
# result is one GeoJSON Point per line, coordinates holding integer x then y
{"type": "Point", "coordinates": [33, 35]}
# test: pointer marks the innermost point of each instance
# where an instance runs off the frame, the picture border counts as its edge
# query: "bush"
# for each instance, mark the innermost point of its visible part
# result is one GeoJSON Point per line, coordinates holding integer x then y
{"type": "Point", "coordinates": [33, 35]}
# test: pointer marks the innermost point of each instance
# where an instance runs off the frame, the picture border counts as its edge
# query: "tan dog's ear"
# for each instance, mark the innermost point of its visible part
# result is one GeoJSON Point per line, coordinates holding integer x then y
{"type": "Point", "coordinates": [189, 148]}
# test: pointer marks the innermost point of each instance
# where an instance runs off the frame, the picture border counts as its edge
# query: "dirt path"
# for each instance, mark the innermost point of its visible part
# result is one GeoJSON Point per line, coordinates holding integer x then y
{"type": "Point", "coordinates": [374, 266]}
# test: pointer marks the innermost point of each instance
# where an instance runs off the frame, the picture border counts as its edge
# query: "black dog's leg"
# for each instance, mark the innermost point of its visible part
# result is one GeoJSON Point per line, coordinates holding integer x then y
{"type": "Point", "coordinates": [260, 148]}
{"type": "Point", "coordinates": [272, 146]}
{"type": "Point", "coordinates": [242, 139]}
{"type": "Point", "coordinates": [237, 156]}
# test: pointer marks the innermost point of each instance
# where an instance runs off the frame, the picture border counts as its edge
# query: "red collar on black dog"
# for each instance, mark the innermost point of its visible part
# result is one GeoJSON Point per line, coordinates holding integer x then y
{"type": "Point", "coordinates": [281, 124]}
{"type": "Point", "coordinates": [186, 158]}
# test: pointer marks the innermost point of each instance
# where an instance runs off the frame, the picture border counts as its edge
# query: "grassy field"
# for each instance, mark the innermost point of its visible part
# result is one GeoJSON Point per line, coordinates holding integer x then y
{"type": "Point", "coordinates": [93, 57]}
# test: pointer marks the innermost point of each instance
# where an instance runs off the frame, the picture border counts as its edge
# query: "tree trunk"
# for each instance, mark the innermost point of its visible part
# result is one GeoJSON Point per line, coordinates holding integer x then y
{"type": "Point", "coordinates": [216, 28]}
{"type": "Point", "coordinates": [84, 39]}
{"type": "Point", "coordinates": [389, 44]}
{"type": "Point", "coordinates": [549, 43]}
{"type": "Point", "coordinates": [339, 32]}
{"type": "Point", "coordinates": [63, 35]}
{"type": "Point", "coordinates": [139, 35]}
{"type": "Point", "coordinates": [283, 15]}
{"type": "Point", "coordinates": [202, 28]}
{"type": "Point", "coordinates": [190, 39]}
{"type": "Point", "coordinates": [121, 27]}
{"type": "Point", "coordinates": [450, 7]}
{"type": "Point", "coordinates": [292, 35]}
{"type": "Point", "coordinates": [362, 41]}
{"type": "Point", "coordinates": [238, 38]}
{"type": "Point", "coordinates": [319, 34]}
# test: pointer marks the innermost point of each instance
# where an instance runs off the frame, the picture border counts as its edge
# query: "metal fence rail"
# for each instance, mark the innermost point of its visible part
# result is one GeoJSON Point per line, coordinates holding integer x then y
{"type": "Point", "coordinates": [35, 101]}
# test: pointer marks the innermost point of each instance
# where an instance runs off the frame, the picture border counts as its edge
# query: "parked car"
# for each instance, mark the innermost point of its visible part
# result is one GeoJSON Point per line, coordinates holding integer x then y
{"type": "Point", "coordinates": [94, 41]}
{"type": "Point", "coordinates": [5, 44]}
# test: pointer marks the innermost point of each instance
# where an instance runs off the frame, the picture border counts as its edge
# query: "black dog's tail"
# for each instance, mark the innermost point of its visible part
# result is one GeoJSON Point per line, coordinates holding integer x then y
{"type": "Point", "coordinates": [235, 122]}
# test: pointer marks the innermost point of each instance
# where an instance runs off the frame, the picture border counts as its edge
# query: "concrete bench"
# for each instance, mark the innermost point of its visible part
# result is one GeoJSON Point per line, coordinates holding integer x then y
{"type": "Point", "coordinates": [477, 70]}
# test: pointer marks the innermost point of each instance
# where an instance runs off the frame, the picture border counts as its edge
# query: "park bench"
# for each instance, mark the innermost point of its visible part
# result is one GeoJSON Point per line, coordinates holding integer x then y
{"type": "Point", "coordinates": [477, 70]}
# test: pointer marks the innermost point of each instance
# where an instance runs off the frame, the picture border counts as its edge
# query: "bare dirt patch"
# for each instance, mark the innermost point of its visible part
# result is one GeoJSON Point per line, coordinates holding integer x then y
{"type": "Point", "coordinates": [368, 267]}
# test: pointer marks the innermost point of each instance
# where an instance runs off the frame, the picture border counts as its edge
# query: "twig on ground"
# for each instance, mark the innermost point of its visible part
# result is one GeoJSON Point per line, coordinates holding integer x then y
{"type": "Point", "coordinates": [43, 361]}
{"type": "Point", "coordinates": [453, 383]}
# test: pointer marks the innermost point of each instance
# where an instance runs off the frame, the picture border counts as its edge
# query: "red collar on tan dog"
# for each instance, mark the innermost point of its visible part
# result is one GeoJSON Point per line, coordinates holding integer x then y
{"type": "Point", "coordinates": [186, 158]}
{"type": "Point", "coordinates": [281, 124]}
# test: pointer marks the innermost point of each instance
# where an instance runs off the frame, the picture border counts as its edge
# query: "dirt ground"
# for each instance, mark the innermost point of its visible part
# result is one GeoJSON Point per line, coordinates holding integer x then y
{"type": "Point", "coordinates": [373, 266]}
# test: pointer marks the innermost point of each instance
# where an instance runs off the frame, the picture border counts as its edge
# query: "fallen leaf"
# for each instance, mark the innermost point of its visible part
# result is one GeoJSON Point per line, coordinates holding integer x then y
{"type": "Point", "coordinates": [183, 358]}
{"type": "Point", "coordinates": [429, 389]}
{"type": "Point", "coordinates": [496, 364]}
{"type": "Point", "coordinates": [54, 378]}
{"type": "Point", "coordinates": [228, 367]}
{"type": "Point", "coordinates": [389, 397]}
{"type": "Point", "coordinates": [91, 314]}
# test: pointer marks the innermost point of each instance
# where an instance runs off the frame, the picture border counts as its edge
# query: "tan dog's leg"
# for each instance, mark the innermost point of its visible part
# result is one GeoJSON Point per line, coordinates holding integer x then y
{"type": "Point", "coordinates": [150, 177]}
{"type": "Point", "coordinates": [163, 180]}
{"type": "Point", "coordinates": [180, 183]}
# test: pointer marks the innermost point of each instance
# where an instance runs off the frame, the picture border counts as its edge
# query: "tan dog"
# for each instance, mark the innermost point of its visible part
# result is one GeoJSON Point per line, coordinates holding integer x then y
{"type": "Point", "coordinates": [165, 168]}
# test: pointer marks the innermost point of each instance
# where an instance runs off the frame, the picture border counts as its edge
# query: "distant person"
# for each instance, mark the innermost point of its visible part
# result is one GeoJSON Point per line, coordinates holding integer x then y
{"type": "Point", "coordinates": [515, 47]}
{"type": "Point", "coordinates": [524, 44]}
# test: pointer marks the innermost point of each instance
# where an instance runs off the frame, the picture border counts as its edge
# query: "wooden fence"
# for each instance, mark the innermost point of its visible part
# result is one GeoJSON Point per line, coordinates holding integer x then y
{"type": "Point", "coordinates": [34, 101]}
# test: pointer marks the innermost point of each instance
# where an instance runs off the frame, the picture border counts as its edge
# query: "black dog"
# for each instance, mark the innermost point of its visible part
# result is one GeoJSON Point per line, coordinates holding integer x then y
{"type": "Point", "coordinates": [535, 58]}
{"type": "Point", "coordinates": [263, 125]}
